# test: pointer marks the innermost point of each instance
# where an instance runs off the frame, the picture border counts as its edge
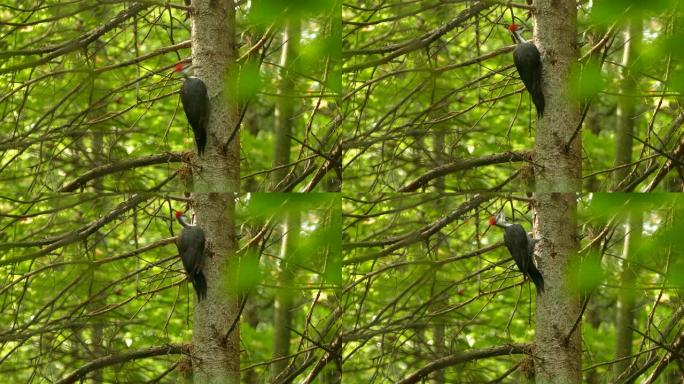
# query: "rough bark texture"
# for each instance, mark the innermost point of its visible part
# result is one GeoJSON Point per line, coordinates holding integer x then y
{"type": "Point", "coordinates": [558, 356]}
{"type": "Point", "coordinates": [558, 168]}
{"type": "Point", "coordinates": [558, 165]}
{"type": "Point", "coordinates": [215, 357]}
{"type": "Point", "coordinates": [213, 51]}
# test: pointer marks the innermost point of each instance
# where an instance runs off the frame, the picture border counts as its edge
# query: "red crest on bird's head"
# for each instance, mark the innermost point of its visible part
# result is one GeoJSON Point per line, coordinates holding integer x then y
{"type": "Point", "coordinates": [179, 67]}
{"type": "Point", "coordinates": [492, 220]}
{"type": "Point", "coordinates": [513, 27]}
{"type": "Point", "coordinates": [179, 214]}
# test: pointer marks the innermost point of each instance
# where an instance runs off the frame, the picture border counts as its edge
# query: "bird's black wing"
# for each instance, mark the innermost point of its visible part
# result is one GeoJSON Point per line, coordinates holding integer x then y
{"type": "Point", "coordinates": [528, 63]}
{"type": "Point", "coordinates": [537, 278]}
{"type": "Point", "coordinates": [515, 238]}
{"type": "Point", "coordinates": [191, 247]}
{"type": "Point", "coordinates": [196, 106]}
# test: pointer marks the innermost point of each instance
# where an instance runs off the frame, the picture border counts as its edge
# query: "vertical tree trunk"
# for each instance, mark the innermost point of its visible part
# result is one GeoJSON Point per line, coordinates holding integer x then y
{"type": "Point", "coordinates": [97, 155]}
{"type": "Point", "coordinates": [558, 169]}
{"type": "Point", "coordinates": [626, 111]}
{"type": "Point", "coordinates": [626, 114]}
{"type": "Point", "coordinates": [285, 115]}
{"type": "Point", "coordinates": [216, 358]}
{"type": "Point", "coordinates": [626, 304]}
{"type": "Point", "coordinates": [438, 333]}
{"type": "Point", "coordinates": [213, 52]}
{"type": "Point", "coordinates": [559, 162]}
{"type": "Point", "coordinates": [440, 156]}
{"type": "Point", "coordinates": [216, 352]}
{"type": "Point", "coordinates": [558, 353]}
{"type": "Point", "coordinates": [332, 371]}
{"type": "Point", "coordinates": [282, 322]}
{"type": "Point", "coordinates": [285, 104]}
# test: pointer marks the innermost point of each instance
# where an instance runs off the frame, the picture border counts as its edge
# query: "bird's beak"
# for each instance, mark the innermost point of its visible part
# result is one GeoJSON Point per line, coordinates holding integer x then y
{"type": "Point", "coordinates": [187, 71]}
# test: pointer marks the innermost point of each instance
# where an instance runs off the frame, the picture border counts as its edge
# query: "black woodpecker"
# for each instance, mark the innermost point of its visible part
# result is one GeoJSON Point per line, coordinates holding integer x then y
{"type": "Point", "coordinates": [190, 245]}
{"type": "Point", "coordinates": [528, 63]}
{"type": "Point", "coordinates": [195, 101]}
{"type": "Point", "coordinates": [521, 247]}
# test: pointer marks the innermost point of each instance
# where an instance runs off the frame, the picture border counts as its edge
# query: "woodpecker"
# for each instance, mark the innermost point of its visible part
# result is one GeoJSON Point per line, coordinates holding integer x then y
{"type": "Point", "coordinates": [191, 249]}
{"type": "Point", "coordinates": [528, 63]}
{"type": "Point", "coordinates": [195, 101]}
{"type": "Point", "coordinates": [521, 247]}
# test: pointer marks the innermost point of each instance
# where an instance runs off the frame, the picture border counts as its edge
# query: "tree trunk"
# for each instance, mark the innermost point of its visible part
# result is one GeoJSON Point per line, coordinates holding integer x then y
{"type": "Point", "coordinates": [284, 303]}
{"type": "Point", "coordinates": [213, 51]}
{"type": "Point", "coordinates": [98, 89]}
{"type": "Point", "coordinates": [216, 358]}
{"type": "Point", "coordinates": [439, 90]}
{"type": "Point", "coordinates": [332, 371]}
{"type": "Point", "coordinates": [558, 169]}
{"type": "Point", "coordinates": [558, 160]}
{"type": "Point", "coordinates": [216, 352]}
{"type": "Point", "coordinates": [286, 102]}
{"type": "Point", "coordinates": [626, 295]}
{"type": "Point", "coordinates": [626, 111]}
{"type": "Point", "coordinates": [558, 353]}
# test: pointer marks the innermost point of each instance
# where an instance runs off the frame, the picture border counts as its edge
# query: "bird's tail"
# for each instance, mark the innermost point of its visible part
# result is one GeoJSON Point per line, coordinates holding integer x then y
{"type": "Point", "coordinates": [537, 96]}
{"type": "Point", "coordinates": [538, 100]}
{"type": "Point", "coordinates": [537, 278]}
{"type": "Point", "coordinates": [201, 143]}
{"type": "Point", "coordinates": [200, 284]}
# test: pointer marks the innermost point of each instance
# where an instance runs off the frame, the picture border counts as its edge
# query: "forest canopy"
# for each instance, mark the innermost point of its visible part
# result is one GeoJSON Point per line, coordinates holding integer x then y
{"type": "Point", "coordinates": [380, 191]}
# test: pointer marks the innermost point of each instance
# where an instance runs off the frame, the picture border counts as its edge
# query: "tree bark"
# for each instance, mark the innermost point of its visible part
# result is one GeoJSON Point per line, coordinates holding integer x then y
{"type": "Point", "coordinates": [558, 169]}
{"type": "Point", "coordinates": [558, 160]}
{"type": "Point", "coordinates": [216, 351]}
{"type": "Point", "coordinates": [558, 341]}
{"type": "Point", "coordinates": [213, 52]}
{"type": "Point", "coordinates": [215, 357]}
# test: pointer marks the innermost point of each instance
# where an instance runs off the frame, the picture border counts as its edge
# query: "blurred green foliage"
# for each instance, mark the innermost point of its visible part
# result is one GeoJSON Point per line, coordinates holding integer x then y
{"type": "Point", "coordinates": [126, 281]}
{"type": "Point", "coordinates": [399, 301]}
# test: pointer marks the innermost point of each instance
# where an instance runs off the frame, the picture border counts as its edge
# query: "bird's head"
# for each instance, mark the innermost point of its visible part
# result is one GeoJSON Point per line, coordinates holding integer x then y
{"type": "Point", "coordinates": [179, 214]}
{"type": "Point", "coordinates": [513, 27]}
{"type": "Point", "coordinates": [516, 30]}
{"type": "Point", "coordinates": [184, 70]}
{"type": "Point", "coordinates": [499, 220]}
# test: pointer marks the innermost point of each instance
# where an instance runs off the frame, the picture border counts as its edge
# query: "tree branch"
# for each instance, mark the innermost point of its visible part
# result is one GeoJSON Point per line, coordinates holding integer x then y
{"type": "Point", "coordinates": [79, 182]}
{"type": "Point", "coordinates": [80, 233]}
{"type": "Point", "coordinates": [424, 232]}
{"type": "Point", "coordinates": [79, 43]}
{"type": "Point", "coordinates": [170, 349]}
{"type": "Point", "coordinates": [460, 165]}
{"type": "Point", "coordinates": [464, 357]}
{"type": "Point", "coordinates": [426, 39]}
